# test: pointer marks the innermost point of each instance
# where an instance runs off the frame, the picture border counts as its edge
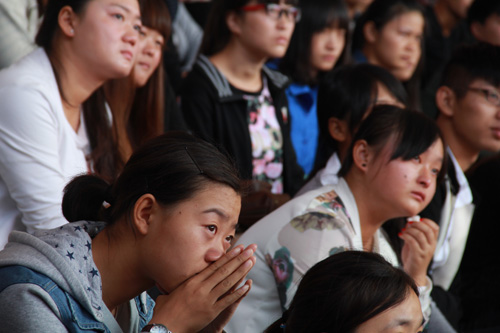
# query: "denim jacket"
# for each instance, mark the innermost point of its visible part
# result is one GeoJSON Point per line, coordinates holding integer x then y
{"type": "Point", "coordinates": [74, 317]}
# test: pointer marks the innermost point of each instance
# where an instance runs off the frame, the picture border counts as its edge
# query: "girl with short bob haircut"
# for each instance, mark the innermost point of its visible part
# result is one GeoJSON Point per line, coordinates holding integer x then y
{"type": "Point", "coordinates": [317, 45]}
{"type": "Point", "coordinates": [167, 221]}
{"type": "Point", "coordinates": [391, 171]}
{"type": "Point", "coordinates": [390, 34]}
{"type": "Point", "coordinates": [348, 292]}
{"type": "Point", "coordinates": [54, 124]}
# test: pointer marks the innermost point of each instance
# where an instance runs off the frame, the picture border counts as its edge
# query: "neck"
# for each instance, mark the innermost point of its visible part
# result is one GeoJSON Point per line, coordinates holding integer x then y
{"type": "Point", "coordinates": [75, 81]}
{"type": "Point", "coordinates": [446, 18]}
{"type": "Point", "coordinates": [116, 262]}
{"type": "Point", "coordinates": [371, 214]}
{"type": "Point", "coordinates": [464, 153]}
{"type": "Point", "coordinates": [240, 67]}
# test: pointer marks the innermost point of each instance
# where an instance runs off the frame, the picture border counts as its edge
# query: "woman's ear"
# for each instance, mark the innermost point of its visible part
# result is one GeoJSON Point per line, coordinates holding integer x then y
{"type": "Point", "coordinates": [361, 154]}
{"type": "Point", "coordinates": [338, 129]}
{"type": "Point", "coordinates": [370, 32]}
{"type": "Point", "coordinates": [446, 101]}
{"type": "Point", "coordinates": [143, 211]}
{"type": "Point", "coordinates": [66, 20]}
{"type": "Point", "coordinates": [233, 22]}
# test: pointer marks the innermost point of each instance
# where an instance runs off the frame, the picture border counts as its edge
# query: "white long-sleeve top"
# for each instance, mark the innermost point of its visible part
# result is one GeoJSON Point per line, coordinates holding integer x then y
{"type": "Point", "coordinates": [294, 238]}
{"type": "Point", "coordinates": [39, 150]}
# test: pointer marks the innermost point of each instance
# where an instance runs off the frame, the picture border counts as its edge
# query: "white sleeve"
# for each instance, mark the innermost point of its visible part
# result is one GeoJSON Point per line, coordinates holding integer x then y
{"type": "Point", "coordinates": [30, 163]}
{"type": "Point", "coordinates": [425, 299]}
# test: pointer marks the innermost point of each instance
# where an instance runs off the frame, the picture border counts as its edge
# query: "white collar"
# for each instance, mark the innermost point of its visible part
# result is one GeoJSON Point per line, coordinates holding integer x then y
{"type": "Point", "coordinates": [464, 195]}
{"type": "Point", "coordinates": [329, 175]}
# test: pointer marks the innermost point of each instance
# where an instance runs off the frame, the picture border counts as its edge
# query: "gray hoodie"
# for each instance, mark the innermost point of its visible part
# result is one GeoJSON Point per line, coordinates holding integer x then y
{"type": "Point", "coordinates": [64, 255]}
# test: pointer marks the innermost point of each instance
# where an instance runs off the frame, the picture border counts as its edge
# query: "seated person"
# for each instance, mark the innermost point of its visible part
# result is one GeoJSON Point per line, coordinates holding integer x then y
{"type": "Point", "coordinates": [92, 273]}
{"type": "Point", "coordinates": [353, 291]}
{"type": "Point", "coordinates": [389, 34]}
{"type": "Point", "coordinates": [390, 171]}
{"type": "Point", "coordinates": [468, 103]}
{"type": "Point", "coordinates": [483, 18]}
{"type": "Point", "coordinates": [345, 97]}
{"type": "Point", "coordinates": [317, 45]}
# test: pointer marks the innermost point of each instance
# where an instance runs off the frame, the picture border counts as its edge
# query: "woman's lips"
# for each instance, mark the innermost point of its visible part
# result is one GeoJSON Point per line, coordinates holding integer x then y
{"type": "Point", "coordinates": [419, 196]}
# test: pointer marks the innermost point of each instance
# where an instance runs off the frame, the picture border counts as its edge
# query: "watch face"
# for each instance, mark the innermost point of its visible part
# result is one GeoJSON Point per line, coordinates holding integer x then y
{"type": "Point", "coordinates": [155, 328]}
{"type": "Point", "coordinates": [158, 328]}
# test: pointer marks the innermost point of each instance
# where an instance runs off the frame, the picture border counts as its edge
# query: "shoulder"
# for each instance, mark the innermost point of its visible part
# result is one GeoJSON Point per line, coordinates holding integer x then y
{"type": "Point", "coordinates": [277, 79]}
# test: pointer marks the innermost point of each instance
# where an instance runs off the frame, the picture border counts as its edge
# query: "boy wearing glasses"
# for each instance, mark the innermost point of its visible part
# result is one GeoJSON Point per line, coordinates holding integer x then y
{"type": "Point", "coordinates": [468, 101]}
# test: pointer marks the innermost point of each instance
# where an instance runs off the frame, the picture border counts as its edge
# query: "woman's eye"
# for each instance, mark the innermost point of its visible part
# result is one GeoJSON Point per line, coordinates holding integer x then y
{"type": "Point", "coordinates": [138, 28]}
{"type": "Point", "coordinates": [418, 159]}
{"type": "Point", "coordinates": [435, 171]}
{"type": "Point", "coordinates": [212, 228]}
{"type": "Point", "coordinates": [229, 239]}
{"type": "Point", "coordinates": [118, 16]}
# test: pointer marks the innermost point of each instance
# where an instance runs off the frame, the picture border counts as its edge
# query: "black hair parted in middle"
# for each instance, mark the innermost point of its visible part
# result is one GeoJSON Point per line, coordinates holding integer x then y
{"type": "Point", "coordinates": [410, 133]}
{"type": "Point", "coordinates": [317, 15]}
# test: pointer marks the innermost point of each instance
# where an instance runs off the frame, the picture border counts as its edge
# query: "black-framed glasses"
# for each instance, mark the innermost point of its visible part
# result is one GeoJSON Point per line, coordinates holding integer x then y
{"type": "Point", "coordinates": [491, 96]}
{"type": "Point", "coordinates": [275, 11]}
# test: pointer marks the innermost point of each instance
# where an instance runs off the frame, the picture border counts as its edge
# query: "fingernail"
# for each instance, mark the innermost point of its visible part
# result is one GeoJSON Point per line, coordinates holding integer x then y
{"type": "Point", "coordinates": [248, 252]}
{"type": "Point", "coordinates": [248, 264]}
{"type": "Point", "coordinates": [403, 229]}
{"type": "Point", "coordinates": [235, 251]}
{"type": "Point", "coordinates": [400, 234]}
{"type": "Point", "coordinates": [245, 288]}
{"type": "Point", "coordinates": [411, 222]}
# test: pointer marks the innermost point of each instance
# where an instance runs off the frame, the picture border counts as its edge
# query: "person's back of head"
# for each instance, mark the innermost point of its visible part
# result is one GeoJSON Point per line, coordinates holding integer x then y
{"type": "Point", "coordinates": [344, 291]}
{"type": "Point", "coordinates": [483, 17]}
{"type": "Point", "coordinates": [347, 95]}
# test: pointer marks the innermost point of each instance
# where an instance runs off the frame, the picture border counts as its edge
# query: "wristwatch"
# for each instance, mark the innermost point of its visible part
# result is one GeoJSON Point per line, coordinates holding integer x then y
{"type": "Point", "coordinates": [155, 328]}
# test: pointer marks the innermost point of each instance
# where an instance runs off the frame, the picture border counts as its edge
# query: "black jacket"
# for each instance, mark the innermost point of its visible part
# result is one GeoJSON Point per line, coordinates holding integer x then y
{"type": "Point", "coordinates": [217, 112]}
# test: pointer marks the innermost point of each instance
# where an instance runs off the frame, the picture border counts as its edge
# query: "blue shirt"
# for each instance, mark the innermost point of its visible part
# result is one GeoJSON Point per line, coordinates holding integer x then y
{"type": "Point", "coordinates": [302, 102]}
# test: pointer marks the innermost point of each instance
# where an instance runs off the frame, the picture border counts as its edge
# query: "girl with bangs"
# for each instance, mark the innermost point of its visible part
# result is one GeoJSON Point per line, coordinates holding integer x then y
{"type": "Point", "coordinates": [230, 98]}
{"type": "Point", "coordinates": [390, 171]}
{"type": "Point", "coordinates": [317, 45]}
{"type": "Point", "coordinates": [138, 102]}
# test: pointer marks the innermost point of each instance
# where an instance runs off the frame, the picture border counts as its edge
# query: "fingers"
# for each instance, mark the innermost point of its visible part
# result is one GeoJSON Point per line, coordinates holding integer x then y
{"type": "Point", "coordinates": [232, 280]}
{"type": "Point", "coordinates": [425, 232]}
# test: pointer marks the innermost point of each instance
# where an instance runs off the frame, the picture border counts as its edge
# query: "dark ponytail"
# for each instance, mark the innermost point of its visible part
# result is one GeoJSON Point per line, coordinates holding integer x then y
{"type": "Point", "coordinates": [172, 167]}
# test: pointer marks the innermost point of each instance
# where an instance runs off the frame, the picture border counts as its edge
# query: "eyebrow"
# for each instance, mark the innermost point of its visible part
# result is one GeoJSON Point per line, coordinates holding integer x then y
{"type": "Point", "coordinates": [221, 214]}
{"type": "Point", "coordinates": [402, 322]}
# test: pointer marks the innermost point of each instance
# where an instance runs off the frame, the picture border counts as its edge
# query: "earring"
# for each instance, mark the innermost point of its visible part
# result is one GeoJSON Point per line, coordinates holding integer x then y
{"type": "Point", "coordinates": [72, 31]}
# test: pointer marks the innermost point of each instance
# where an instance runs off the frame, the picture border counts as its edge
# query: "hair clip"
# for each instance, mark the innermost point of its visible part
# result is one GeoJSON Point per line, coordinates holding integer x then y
{"type": "Point", "coordinates": [192, 159]}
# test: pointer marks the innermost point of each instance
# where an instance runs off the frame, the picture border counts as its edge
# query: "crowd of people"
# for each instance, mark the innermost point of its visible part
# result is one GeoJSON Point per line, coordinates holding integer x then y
{"type": "Point", "coordinates": [254, 166]}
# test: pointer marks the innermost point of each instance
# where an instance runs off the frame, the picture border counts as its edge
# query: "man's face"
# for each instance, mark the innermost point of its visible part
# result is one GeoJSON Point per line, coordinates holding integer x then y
{"type": "Point", "coordinates": [489, 31]}
{"type": "Point", "coordinates": [476, 117]}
